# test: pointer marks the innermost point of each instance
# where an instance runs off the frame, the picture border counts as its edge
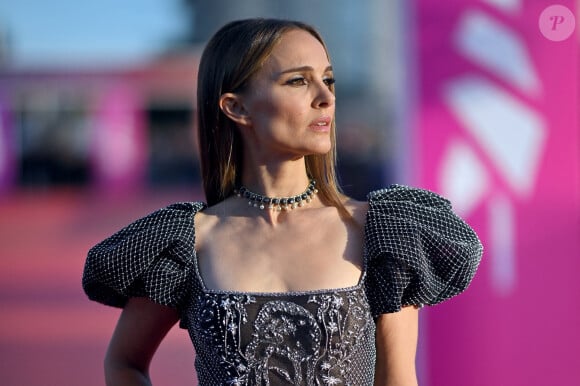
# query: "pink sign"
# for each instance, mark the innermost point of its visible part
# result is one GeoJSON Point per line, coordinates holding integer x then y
{"type": "Point", "coordinates": [497, 133]}
{"type": "Point", "coordinates": [118, 152]}
{"type": "Point", "coordinates": [7, 148]}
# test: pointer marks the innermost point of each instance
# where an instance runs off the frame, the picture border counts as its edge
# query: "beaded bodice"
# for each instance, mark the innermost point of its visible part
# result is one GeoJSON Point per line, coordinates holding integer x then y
{"type": "Point", "coordinates": [310, 338]}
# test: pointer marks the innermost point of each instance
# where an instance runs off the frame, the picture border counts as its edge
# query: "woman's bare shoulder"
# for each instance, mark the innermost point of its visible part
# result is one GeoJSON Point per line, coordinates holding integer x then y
{"type": "Point", "coordinates": [212, 214]}
{"type": "Point", "coordinates": [205, 221]}
{"type": "Point", "coordinates": [216, 218]}
{"type": "Point", "coordinates": [357, 209]}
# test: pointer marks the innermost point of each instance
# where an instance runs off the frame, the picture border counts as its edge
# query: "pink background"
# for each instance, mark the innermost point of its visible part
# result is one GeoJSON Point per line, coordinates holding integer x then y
{"type": "Point", "coordinates": [6, 150]}
{"type": "Point", "coordinates": [119, 146]}
{"type": "Point", "coordinates": [518, 323]}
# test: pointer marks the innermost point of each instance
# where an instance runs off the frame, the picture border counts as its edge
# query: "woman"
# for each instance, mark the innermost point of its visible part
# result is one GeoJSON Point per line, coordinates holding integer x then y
{"type": "Point", "coordinates": [280, 279]}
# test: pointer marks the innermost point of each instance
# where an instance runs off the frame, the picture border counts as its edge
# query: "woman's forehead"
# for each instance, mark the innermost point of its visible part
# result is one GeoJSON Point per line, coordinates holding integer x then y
{"type": "Point", "coordinates": [297, 48]}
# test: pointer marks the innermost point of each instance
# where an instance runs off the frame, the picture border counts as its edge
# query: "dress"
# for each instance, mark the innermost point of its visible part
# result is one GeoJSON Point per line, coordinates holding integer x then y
{"type": "Point", "coordinates": [416, 252]}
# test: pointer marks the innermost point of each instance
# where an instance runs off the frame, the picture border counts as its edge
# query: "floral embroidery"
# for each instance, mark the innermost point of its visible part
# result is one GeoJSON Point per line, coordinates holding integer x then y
{"type": "Point", "coordinates": [265, 340]}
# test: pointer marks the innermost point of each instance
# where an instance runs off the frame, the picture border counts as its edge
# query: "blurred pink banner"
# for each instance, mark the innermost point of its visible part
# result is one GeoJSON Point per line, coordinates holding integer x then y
{"type": "Point", "coordinates": [119, 141]}
{"type": "Point", "coordinates": [7, 150]}
{"type": "Point", "coordinates": [496, 131]}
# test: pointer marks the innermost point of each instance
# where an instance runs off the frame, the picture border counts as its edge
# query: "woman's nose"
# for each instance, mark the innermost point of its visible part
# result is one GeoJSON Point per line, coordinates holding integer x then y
{"type": "Point", "coordinates": [324, 97]}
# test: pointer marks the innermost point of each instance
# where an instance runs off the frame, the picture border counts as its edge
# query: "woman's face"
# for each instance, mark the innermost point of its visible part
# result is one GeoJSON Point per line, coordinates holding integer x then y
{"type": "Point", "coordinates": [289, 102]}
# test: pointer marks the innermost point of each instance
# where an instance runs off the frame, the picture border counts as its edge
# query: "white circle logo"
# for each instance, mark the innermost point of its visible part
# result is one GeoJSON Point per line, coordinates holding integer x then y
{"type": "Point", "coordinates": [557, 22]}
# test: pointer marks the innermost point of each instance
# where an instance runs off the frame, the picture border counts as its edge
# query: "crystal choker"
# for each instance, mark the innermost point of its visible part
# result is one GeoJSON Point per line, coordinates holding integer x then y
{"type": "Point", "coordinates": [277, 203]}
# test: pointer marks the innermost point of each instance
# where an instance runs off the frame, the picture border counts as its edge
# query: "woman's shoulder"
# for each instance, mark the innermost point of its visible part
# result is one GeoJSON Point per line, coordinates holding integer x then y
{"type": "Point", "coordinates": [159, 227]}
{"type": "Point", "coordinates": [170, 216]}
{"type": "Point", "coordinates": [394, 196]}
{"type": "Point", "coordinates": [419, 250]}
{"type": "Point", "coordinates": [399, 209]}
{"type": "Point", "coordinates": [181, 209]}
{"type": "Point", "coordinates": [357, 210]}
{"type": "Point", "coordinates": [150, 257]}
{"type": "Point", "coordinates": [404, 193]}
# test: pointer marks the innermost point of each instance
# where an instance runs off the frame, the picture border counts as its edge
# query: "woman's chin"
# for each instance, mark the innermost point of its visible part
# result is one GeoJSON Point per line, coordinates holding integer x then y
{"type": "Point", "coordinates": [321, 148]}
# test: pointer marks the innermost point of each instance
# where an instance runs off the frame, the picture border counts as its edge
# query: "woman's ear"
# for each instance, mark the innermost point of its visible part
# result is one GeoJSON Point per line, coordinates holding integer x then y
{"type": "Point", "coordinates": [232, 106]}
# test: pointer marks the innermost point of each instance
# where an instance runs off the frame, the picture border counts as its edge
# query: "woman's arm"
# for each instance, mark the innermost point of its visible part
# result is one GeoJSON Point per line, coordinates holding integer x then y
{"type": "Point", "coordinates": [141, 328]}
{"type": "Point", "coordinates": [396, 341]}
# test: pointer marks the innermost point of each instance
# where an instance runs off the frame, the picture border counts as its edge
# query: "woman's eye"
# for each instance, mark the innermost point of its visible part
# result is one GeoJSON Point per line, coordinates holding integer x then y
{"type": "Point", "coordinates": [296, 81]}
{"type": "Point", "coordinates": [329, 81]}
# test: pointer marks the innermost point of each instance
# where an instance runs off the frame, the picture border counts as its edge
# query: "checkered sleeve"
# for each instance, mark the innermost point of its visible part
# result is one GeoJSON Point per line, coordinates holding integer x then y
{"type": "Point", "coordinates": [419, 252]}
{"type": "Point", "coordinates": [151, 257]}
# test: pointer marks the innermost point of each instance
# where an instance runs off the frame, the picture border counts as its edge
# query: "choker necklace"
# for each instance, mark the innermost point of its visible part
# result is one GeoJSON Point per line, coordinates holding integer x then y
{"type": "Point", "coordinates": [277, 203]}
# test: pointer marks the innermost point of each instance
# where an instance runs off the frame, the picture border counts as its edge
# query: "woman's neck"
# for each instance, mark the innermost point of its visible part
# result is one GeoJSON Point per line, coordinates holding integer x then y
{"type": "Point", "coordinates": [276, 180]}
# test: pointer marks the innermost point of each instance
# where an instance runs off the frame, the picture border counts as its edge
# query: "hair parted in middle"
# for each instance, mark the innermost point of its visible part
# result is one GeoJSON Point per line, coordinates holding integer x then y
{"type": "Point", "coordinates": [231, 57]}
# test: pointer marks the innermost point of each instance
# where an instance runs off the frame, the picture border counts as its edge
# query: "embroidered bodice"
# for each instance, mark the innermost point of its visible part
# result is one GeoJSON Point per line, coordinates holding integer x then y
{"type": "Point", "coordinates": [317, 338]}
{"type": "Point", "coordinates": [417, 251]}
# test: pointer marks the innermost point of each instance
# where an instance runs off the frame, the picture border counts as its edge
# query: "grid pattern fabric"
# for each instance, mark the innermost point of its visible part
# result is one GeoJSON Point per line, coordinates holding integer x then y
{"type": "Point", "coordinates": [150, 258]}
{"type": "Point", "coordinates": [419, 251]}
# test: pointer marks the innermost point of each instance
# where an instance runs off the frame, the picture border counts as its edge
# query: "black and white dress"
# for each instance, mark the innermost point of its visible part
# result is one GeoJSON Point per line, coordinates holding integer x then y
{"type": "Point", "coordinates": [416, 252]}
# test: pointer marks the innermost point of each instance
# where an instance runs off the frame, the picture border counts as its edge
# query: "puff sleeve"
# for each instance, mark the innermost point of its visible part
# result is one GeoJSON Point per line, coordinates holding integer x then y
{"type": "Point", "coordinates": [418, 251]}
{"type": "Point", "coordinates": [152, 257]}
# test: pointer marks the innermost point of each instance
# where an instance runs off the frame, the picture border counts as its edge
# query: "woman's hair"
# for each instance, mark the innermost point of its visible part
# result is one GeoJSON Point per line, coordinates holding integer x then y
{"type": "Point", "coordinates": [232, 56]}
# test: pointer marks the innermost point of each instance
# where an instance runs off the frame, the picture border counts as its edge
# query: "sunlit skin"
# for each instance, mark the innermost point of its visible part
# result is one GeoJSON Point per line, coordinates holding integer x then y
{"type": "Point", "coordinates": [283, 115]}
{"type": "Point", "coordinates": [290, 103]}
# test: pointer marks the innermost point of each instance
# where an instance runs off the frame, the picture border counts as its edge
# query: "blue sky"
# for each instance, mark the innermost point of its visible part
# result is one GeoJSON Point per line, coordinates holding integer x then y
{"type": "Point", "coordinates": [88, 32]}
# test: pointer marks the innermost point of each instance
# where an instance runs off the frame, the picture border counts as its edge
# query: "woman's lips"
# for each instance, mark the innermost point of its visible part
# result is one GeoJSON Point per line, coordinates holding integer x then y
{"type": "Point", "coordinates": [321, 124]}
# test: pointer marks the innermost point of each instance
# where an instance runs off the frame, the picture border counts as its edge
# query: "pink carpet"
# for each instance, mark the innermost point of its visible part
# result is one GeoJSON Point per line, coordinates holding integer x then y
{"type": "Point", "coordinates": [50, 334]}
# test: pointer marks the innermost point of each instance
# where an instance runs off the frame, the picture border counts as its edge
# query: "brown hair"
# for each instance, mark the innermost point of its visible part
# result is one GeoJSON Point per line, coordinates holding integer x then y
{"type": "Point", "coordinates": [232, 56]}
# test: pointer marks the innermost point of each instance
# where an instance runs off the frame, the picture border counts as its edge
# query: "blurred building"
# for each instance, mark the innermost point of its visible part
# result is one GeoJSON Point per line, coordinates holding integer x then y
{"type": "Point", "coordinates": [131, 128]}
{"type": "Point", "coordinates": [114, 128]}
{"type": "Point", "coordinates": [4, 46]}
{"type": "Point", "coordinates": [368, 51]}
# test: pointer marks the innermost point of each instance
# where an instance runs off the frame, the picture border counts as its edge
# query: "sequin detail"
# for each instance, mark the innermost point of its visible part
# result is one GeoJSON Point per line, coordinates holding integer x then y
{"type": "Point", "coordinates": [300, 339]}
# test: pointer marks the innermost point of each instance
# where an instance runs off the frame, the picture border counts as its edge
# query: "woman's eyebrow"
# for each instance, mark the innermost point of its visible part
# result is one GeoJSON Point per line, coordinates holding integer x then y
{"type": "Point", "coordinates": [302, 69]}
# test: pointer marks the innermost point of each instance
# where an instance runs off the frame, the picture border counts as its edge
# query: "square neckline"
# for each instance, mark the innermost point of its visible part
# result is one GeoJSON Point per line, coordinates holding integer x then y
{"type": "Point", "coordinates": [279, 294]}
